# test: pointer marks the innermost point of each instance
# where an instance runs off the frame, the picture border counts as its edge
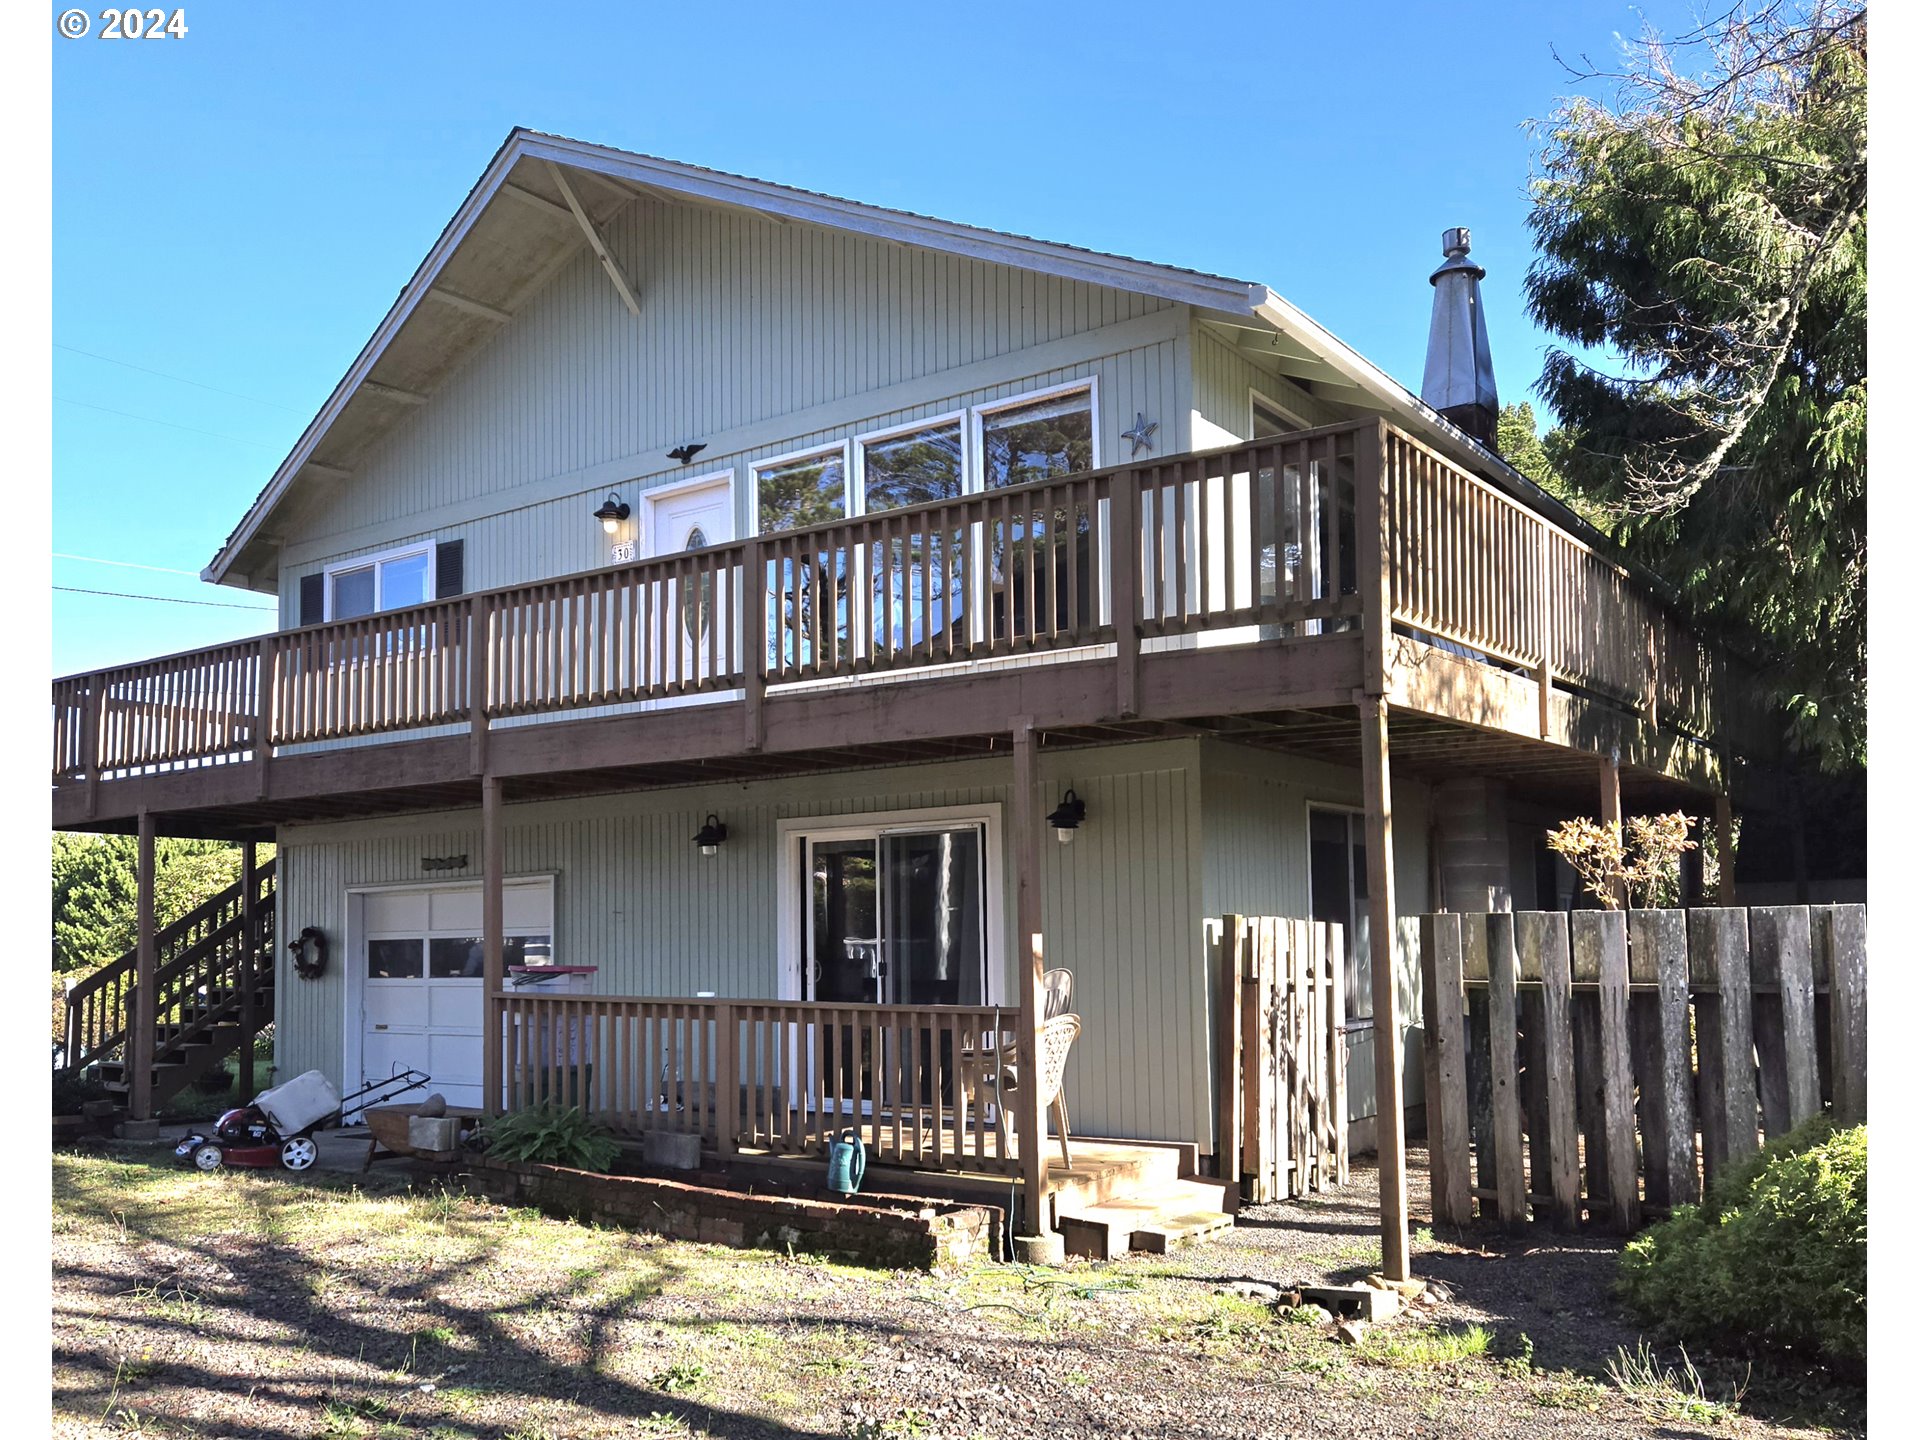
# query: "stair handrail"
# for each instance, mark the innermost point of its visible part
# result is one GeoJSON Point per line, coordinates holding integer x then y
{"type": "Point", "coordinates": [96, 1030]}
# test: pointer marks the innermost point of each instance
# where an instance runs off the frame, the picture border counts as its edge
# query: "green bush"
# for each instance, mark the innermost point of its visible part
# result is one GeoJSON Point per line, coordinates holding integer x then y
{"type": "Point", "coordinates": [1777, 1253]}
{"type": "Point", "coordinates": [550, 1135]}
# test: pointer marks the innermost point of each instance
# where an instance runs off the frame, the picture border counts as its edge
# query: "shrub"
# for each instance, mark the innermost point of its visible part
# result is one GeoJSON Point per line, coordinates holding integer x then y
{"type": "Point", "coordinates": [1776, 1254]}
{"type": "Point", "coordinates": [550, 1135]}
{"type": "Point", "coordinates": [70, 1092]}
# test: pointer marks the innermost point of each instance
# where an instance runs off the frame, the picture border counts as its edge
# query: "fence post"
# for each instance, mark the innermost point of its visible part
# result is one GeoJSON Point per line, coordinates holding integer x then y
{"type": "Point", "coordinates": [1544, 934]}
{"type": "Point", "coordinates": [1729, 1102]}
{"type": "Point", "coordinates": [1845, 929]}
{"type": "Point", "coordinates": [1503, 1012]}
{"type": "Point", "coordinates": [1658, 943]}
{"type": "Point", "coordinates": [1443, 999]}
{"type": "Point", "coordinates": [1224, 935]}
{"type": "Point", "coordinates": [1606, 932]}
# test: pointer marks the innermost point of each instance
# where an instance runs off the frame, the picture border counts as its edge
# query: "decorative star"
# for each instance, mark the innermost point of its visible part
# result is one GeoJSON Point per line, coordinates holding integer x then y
{"type": "Point", "coordinates": [1142, 432]}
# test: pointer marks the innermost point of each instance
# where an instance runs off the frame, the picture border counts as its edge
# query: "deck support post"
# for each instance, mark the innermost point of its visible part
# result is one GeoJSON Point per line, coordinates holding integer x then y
{"type": "Point", "coordinates": [1610, 813]}
{"type": "Point", "coordinates": [1376, 780]}
{"type": "Point", "coordinates": [1723, 846]}
{"type": "Point", "coordinates": [753, 642]}
{"type": "Point", "coordinates": [142, 1023]}
{"type": "Point", "coordinates": [1029, 1113]}
{"type": "Point", "coordinates": [249, 959]}
{"type": "Point", "coordinates": [493, 861]}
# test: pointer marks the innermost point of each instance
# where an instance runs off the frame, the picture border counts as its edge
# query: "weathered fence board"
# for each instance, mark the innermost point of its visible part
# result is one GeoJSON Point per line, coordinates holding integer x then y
{"type": "Point", "coordinates": [1282, 1054]}
{"type": "Point", "coordinates": [1669, 1040]}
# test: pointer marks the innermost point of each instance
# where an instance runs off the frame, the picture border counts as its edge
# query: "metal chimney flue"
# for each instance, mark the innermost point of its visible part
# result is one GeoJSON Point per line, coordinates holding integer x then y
{"type": "Point", "coordinates": [1459, 379]}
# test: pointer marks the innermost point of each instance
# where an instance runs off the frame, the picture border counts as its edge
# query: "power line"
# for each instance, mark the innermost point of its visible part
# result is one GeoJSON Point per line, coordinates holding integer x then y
{"type": "Point", "coordinates": [128, 414]}
{"type": "Point", "coordinates": [125, 564]}
{"type": "Point", "coordinates": [164, 375]}
{"type": "Point", "coordinates": [165, 599]}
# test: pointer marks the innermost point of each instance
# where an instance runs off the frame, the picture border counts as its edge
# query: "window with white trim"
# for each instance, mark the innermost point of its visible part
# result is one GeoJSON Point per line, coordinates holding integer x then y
{"type": "Point", "coordinates": [912, 465]}
{"type": "Point", "coordinates": [1037, 436]}
{"type": "Point", "coordinates": [794, 491]}
{"type": "Point", "coordinates": [392, 580]}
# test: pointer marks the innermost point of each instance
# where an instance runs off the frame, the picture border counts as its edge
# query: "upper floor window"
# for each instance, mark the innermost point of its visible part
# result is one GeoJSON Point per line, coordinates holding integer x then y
{"type": "Point", "coordinates": [1270, 420]}
{"type": "Point", "coordinates": [912, 465]}
{"type": "Point", "coordinates": [389, 581]}
{"type": "Point", "coordinates": [795, 491]}
{"type": "Point", "coordinates": [1035, 437]}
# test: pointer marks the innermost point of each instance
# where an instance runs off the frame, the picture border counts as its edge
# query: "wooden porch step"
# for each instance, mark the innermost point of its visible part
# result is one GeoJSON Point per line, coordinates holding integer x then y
{"type": "Point", "coordinates": [1169, 1214]}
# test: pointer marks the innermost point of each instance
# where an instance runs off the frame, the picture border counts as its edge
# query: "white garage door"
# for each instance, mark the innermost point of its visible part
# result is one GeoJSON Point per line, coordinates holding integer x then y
{"type": "Point", "coordinates": [421, 990]}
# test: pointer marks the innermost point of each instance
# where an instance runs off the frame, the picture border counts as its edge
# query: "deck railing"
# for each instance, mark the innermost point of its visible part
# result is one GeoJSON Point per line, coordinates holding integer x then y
{"type": "Point", "coordinates": [1270, 535]}
{"type": "Point", "coordinates": [780, 1078]}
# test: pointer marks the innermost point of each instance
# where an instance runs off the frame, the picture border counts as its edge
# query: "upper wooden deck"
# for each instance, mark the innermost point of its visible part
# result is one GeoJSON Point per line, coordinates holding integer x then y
{"type": "Point", "coordinates": [1255, 590]}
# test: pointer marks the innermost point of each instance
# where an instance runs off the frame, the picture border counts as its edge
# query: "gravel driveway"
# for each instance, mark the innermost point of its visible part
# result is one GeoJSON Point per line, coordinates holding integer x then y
{"type": "Point", "coordinates": [257, 1305]}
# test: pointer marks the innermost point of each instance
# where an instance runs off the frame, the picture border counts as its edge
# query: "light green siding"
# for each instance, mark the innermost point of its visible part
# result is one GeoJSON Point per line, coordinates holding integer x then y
{"type": "Point", "coordinates": [753, 338]}
{"type": "Point", "coordinates": [634, 896]}
{"type": "Point", "coordinates": [1223, 379]}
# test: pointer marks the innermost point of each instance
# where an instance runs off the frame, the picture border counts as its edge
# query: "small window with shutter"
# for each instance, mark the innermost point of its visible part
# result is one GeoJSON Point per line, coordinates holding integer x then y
{"type": "Point", "coordinates": [390, 580]}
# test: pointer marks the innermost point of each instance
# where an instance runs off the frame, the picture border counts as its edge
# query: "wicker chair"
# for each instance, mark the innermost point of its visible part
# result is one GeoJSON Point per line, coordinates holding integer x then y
{"type": "Point", "coordinates": [1056, 1041]}
{"type": "Point", "coordinates": [1058, 985]}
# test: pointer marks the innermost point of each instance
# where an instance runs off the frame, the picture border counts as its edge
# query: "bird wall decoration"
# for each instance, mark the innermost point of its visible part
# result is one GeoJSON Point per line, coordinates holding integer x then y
{"type": "Point", "coordinates": [685, 453]}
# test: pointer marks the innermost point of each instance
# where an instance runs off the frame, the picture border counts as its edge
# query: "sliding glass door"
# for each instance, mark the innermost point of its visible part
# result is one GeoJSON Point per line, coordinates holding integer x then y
{"type": "Point", "coordinates": [894, 917]}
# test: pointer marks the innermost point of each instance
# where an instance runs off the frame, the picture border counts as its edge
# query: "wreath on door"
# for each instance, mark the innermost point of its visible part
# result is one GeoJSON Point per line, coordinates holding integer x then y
{"type": "Point", "coordinates": [309, 966]}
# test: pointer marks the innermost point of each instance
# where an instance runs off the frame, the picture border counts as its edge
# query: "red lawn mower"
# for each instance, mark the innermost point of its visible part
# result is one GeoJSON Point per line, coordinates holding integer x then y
{"type": "Point", "coordinates": [277, 1128]}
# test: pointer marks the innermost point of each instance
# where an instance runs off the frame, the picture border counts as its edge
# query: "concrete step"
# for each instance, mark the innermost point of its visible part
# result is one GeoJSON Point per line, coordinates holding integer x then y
{"type": "Point", "coordinates": [1157, 1218]}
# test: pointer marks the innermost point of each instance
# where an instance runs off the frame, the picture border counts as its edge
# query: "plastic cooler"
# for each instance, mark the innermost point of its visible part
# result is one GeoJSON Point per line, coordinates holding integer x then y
{"type": "Point", "coordinates": [544, 1044]}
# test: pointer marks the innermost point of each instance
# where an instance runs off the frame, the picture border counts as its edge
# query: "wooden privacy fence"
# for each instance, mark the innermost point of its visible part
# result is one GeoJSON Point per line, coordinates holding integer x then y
{"type": "Point", "coordinates": [1601, 1062]}
{"type": "Point", "coordinates": [1281, 1052]}
{"type": "Point", "coordinates": [776, 1077]}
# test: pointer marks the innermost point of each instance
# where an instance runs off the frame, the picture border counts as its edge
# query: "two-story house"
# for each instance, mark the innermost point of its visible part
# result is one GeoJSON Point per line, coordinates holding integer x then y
{"type": "Point", "coordinates": [733, 591]}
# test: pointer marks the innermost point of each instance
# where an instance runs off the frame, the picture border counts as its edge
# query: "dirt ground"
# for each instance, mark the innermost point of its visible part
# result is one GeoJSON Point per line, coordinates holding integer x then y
{"type": "Point", "coordinates": [259, 1305]}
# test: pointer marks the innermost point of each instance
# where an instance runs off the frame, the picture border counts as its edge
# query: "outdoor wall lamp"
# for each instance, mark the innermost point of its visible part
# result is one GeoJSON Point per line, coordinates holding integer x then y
{"type": "Point", "coordinates": [710, 836]}
{"type": "Point", "coordinates": [611, 512]}
{"type": "Point", "coordinates": [1067, 817]}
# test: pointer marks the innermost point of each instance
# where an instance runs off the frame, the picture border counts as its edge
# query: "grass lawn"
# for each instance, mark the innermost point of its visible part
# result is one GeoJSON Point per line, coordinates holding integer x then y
{"type": "Point", "coordinates": [332, 1306]}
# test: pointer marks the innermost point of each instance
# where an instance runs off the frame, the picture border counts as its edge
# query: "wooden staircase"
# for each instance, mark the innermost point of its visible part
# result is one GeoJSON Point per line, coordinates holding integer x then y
{"type": "Point", "coordinates": [213, 990]}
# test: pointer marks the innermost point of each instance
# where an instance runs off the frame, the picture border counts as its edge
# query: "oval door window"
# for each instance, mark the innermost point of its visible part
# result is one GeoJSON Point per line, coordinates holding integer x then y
{"type": "Point", "coordinates": [696, 596]}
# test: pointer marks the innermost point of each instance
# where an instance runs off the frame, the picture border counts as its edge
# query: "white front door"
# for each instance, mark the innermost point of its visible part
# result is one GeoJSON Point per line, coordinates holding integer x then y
{"type": "Point", "coordinates": [692, 516]}
{"type": "Point", "coordinates": [422, 998]}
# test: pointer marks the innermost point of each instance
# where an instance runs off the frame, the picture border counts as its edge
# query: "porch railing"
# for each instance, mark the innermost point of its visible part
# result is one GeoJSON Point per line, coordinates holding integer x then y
{"type": "Point", "coordinates": [1270, 535]}
{"type": "Point", "coordinates": [776, 1077]}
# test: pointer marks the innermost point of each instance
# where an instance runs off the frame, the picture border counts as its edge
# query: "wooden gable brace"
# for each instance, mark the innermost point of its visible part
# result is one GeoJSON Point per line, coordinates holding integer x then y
{"type": "Point", "coordinates": [607, 262]}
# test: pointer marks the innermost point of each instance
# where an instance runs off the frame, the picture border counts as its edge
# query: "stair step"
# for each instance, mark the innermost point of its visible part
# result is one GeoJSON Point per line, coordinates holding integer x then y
{"type": "Point", "coordinates": [1156, 1219]}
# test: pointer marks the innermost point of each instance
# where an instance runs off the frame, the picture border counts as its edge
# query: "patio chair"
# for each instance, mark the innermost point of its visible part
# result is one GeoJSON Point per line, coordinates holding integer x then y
{"type": "Point", "coordinates": [1058, 985]}
{"type": "Point", "coordinates": [1056, 1041]}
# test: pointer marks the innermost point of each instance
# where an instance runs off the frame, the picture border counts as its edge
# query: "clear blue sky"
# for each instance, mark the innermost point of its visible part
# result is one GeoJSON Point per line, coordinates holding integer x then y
{"type": "Point", "coordinates": [237, 209]}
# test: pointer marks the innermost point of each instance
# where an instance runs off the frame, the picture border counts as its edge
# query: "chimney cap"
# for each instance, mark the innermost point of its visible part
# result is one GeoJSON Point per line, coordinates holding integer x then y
{"type": "Point", "coordinates": [1455, 243]}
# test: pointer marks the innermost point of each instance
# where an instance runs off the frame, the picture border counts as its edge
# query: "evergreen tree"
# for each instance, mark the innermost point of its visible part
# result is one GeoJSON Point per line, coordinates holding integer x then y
{"type": "Point", "coordinates": [1706, 232]}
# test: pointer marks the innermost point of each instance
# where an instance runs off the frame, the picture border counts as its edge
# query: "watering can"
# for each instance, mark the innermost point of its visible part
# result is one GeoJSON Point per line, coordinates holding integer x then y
{"type": "Point", "coordinates": [846, 1163]}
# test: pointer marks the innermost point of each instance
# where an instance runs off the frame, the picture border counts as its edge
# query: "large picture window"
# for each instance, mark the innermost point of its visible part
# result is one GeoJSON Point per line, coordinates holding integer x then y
{"type": "Point", "coordinates": [371, 583]}
{"type": "Point", "coordinates": [912, 466]}
{"type": "Point", "coordinates": [796, 491]}
{"type": "Point", "coordinates": [1037, 437]}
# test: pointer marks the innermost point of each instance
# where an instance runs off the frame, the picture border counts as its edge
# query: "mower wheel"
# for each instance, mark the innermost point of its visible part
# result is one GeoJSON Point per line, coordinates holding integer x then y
{"type": "Point", "coordinates": [299, 1153]}
{"type": "Point", "coordinates": [208, 1157]}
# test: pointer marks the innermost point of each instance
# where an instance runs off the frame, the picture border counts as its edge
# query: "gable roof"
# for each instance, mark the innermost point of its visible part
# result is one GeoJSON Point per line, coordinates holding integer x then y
{"type": "Point", "coordinates": [522, 222]}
